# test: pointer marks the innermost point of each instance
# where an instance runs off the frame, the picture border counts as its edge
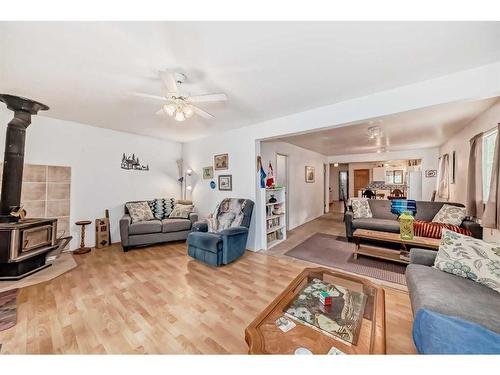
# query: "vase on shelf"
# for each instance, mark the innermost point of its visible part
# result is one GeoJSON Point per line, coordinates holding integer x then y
{"type": "Point", "coordinates": [272, 199]}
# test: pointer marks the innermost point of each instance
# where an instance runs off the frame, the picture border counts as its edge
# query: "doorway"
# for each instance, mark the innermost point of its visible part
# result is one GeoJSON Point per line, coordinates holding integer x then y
{"type": "Point", "coordinates": [282, 179]}
{"type": "Point", "coordinates": [361, 180]}
{"type": "Point", "coordinates": [343, 185]}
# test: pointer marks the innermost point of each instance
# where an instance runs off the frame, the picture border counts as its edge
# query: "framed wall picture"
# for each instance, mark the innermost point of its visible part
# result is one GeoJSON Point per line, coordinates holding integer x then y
{"type": "Point", "coordinates": [208, 173]}
{"type": "Point", "coordinates": [309, 174]}
{"type": "Point", "coordinates": [221, 162]}
{"type": "Point", "coordinates": [226, 182]}
{"type": "Point", "coordinates": [431, 173]}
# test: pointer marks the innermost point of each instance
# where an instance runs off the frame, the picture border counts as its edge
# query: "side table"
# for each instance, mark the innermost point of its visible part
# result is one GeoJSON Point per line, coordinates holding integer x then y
{"type": "Point", "coordinates": [82, 249]}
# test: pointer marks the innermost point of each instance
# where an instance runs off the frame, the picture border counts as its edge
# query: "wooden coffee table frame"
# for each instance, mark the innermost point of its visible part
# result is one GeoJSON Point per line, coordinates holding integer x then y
{"type": "Point", "coordinates": [256, 339]}
{"type": "Point", "coordinates": [385, 253]}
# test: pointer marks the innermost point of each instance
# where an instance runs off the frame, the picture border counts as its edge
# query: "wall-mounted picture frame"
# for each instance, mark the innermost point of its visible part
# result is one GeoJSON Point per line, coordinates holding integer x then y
{"type": "Point", "coordinates": [226, 182]}
{"type": "Point", "coordinates": [310, 174]}
{"type": "Point", "coordinates": [431, 173]}
{"type": "Point", "coordinates": [208, 173]}
{"type": "Point", "coordinates": [221, 162]}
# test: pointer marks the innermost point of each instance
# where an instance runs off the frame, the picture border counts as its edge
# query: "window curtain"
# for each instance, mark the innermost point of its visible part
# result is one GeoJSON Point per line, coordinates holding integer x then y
{"type": "Point", "coordinates": [474, 201]}
{"type": "Point", "coordinates": [443, 188]}
{"type": "Point", "coordinates": [491, 213]}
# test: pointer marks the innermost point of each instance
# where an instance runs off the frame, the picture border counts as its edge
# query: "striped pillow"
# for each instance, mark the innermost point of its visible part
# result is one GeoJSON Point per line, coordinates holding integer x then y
{"type": "Point", "coordinates": [162, 207]}
{"type": "Point", "coordinates": [433, 230]}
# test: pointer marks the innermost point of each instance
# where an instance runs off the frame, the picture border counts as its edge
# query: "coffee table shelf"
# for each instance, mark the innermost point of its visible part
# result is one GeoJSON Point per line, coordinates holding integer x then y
{"type": "Point", "coordinates": [388, 237]}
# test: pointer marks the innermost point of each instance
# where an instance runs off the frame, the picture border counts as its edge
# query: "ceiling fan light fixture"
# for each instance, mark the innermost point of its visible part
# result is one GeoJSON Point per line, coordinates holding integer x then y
{"type": "Point", "coordinates": [374, 132]}
{"type": "Point", "coordinates": [170, 109]}
{"type": "Point", "coordinates": [179, 115]}
{"type": "Point", "coordinates": [188, 110]}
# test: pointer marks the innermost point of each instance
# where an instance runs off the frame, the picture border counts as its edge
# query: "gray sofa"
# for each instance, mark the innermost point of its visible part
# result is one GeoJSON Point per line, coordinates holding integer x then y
{"type": "Point", "coordinates": [384, 220]}
{"type": "Point", "coordinates": [154, 231]}
{"type": "Point", "coordinates": [448, 294]}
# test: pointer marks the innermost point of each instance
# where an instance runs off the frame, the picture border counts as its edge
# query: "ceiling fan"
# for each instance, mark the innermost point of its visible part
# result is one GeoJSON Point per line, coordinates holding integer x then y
{"type": "Point", "coordinates": [178, 105]}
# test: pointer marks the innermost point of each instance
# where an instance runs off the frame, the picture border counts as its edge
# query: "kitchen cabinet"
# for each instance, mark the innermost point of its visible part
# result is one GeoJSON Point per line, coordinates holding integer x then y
{"type": "Point", "coordinates": [378, 174]}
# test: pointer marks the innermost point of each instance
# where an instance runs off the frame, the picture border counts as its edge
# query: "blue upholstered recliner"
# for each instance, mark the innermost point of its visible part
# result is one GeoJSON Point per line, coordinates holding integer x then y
{"type": "Point", "coordinates": [218, 248]}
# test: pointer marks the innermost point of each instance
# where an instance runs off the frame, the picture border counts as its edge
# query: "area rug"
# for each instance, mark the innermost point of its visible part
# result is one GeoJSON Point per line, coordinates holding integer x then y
{"type": "Point", "coordinates": [335, 252]}
{"type": "Point", "coordinates": [8, 313]}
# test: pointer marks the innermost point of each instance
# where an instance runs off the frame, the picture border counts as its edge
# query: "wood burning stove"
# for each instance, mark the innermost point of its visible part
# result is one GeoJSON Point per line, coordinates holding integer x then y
{"type": "Point", "coordinates": [24, 244]}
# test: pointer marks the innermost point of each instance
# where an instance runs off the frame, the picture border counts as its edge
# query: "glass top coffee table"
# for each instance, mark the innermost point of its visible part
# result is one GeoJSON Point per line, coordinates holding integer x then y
{"type": "Point", "coordinates": [264, 337]}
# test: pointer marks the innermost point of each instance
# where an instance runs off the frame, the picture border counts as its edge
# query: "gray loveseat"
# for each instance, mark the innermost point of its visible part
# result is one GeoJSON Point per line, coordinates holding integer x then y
{"type": "Point", "coordinates": [442, 292]}
{"type": "Point", "coordinates": [384, 220]}
{"type": "Point", "coordinates": [154, 231]}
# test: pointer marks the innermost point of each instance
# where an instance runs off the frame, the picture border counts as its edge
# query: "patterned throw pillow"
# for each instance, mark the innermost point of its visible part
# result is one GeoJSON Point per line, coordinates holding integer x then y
{"type": "Point", "coordinates": [452, 215]}
{"type": "Point", "coordinates": [434, 230]}
{"type": "Point", "coordinates": [162, 207]}
{"type": "Point", "coordinates": [139, 211]}
{"type": "Point", "coordinates": [469, 258]}
{"type": "Point", "coordinates": [361, 208]}
{"type": "Point", "coordinates": [181, 211]}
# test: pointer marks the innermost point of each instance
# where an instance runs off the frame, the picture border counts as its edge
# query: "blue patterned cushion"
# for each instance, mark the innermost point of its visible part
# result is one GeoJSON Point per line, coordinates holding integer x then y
{"type": "Point", "coordinates": [398, 206]}
{"type": "Point", "coordinates": [162, 207]}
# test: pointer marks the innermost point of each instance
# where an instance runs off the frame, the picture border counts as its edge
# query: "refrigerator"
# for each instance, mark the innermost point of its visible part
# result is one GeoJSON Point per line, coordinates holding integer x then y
{"type": "Point", "coordinates": [414, 185]}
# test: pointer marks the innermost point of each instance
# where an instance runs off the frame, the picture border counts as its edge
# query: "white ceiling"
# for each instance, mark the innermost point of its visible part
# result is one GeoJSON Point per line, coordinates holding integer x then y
{"type": "Point", "coordinates": [86, 71]}
{"type": "Point", "coordinates": [423, 128]}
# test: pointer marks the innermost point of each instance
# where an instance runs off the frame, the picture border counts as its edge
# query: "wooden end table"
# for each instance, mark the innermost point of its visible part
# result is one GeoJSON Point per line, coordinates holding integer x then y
{"type": "Point", "coordinates": [263, 337]}
{"type": "Point", "coordinates": [82, 249]}
{"type": "Point", "coordinates": [395, 238]}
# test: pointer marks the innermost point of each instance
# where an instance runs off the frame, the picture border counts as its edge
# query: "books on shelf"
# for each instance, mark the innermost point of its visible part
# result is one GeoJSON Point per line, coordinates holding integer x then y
{"type": "Point", "coordinates": [275, 204]}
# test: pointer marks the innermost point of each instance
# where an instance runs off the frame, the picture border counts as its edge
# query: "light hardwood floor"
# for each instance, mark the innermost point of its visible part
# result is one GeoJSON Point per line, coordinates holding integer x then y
{"type": "Point", "coordinates": [158, 300]}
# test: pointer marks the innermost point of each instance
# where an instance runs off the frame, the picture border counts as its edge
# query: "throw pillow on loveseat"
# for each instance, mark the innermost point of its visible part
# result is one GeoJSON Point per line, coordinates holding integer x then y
{"type": "Point", "coordinates": [162, 207]}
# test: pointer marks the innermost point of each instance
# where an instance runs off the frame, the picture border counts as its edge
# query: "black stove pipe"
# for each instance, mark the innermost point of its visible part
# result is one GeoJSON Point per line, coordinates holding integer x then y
{"type": "Point", "coordinates": [14, 152]}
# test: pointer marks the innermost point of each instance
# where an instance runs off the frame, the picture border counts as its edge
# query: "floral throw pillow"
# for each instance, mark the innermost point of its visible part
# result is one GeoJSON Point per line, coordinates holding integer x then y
{"type": "Point", "coordinates": [361, 208]}
{"type": "Point", "coordinates": [139, 211]}
{"type": "Point", "coordinates": [470, 258]}
{"type": "Point", "coordinates": [449, 214]}
{"type": "Point", "coordinates": [181, 211]}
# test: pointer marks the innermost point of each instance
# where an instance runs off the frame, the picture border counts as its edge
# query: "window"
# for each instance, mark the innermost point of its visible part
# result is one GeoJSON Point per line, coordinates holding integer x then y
{"type": "Point", "coordinates": [394, 177]}
{"type": "Point", "coordinates": [488, 154]}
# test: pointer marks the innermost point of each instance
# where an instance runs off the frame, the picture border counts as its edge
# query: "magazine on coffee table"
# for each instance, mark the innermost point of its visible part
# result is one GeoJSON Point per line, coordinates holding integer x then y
{"type": "Point", "coordinates": [341, 319]}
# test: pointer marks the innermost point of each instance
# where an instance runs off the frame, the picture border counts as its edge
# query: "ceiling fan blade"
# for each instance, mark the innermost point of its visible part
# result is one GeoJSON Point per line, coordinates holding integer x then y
{"type": "Point", "coordinates": [169, 81]}
{"type": "Point", "coordinates": [149, 96]}
{"type": "Point", "coordinates": [202, 113]}
{"type": "Point", "coordinates": [208, 98]}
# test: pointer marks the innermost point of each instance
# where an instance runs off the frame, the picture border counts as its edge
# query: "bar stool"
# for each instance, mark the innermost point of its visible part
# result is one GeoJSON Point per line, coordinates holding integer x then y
{"type": "Point", "coordinates": [82, 249]}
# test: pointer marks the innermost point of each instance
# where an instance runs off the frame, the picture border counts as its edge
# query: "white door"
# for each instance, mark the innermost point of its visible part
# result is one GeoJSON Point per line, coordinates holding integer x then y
{"type": "Point", "coordinates": [282, 179]}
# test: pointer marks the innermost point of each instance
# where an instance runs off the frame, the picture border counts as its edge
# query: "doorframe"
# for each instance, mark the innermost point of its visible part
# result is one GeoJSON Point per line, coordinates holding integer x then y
{"type": "Point", "coordinates": [347, 187]}
{"type": "Point", "coordinates": [326, 188]}
{"type": "Point", "coordinates": [287, 187]}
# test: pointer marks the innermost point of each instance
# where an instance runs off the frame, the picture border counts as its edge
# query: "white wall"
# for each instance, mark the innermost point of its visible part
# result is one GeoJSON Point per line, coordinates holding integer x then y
{"type": "Point", "coordinates": [429, 158]}
{"type": "Point", "coordinates": [460, 144]}
{"type": "Point", "coordinates": [241, 143]}
{"type": "Point", "coordinates": [305, 199]}
{"type": "Point", "coordinates": [94, 155]}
